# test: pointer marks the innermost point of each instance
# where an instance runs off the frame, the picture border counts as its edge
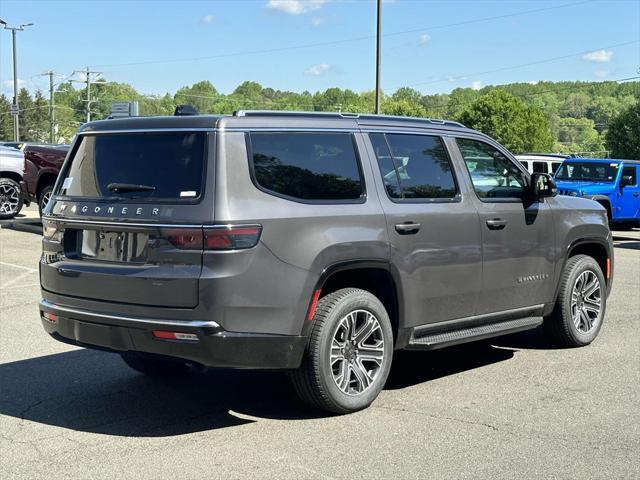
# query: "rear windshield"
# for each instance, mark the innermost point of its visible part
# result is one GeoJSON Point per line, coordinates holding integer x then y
{"type": "Point", "coordinates": [158, 166]}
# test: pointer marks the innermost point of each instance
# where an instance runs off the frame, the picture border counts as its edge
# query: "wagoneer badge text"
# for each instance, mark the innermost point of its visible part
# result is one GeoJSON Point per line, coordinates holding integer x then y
{"type": "Point", "coordinates": [108, 210]}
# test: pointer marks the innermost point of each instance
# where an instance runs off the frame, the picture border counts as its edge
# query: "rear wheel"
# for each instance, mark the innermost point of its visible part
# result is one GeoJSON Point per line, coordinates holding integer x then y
{"type": "Point", "coordinates": [10, 198]}
{"type": "Point", "coordinates": [155, 366]}
{"type": "Point", "coordinates": [580, 307]}
{"type": "Point", "coordinates": [45, 196]}
{"type": "Point", "coordinates": [349, 354]}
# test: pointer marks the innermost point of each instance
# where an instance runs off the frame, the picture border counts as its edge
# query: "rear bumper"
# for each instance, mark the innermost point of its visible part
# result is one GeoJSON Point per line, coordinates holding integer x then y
{"type": "Point", "coordinates": [215, 347]}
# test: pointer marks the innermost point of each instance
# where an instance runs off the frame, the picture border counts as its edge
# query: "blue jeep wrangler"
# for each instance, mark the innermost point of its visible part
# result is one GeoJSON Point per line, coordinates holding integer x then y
{"type": "Point", "coordinates": [612, 183]}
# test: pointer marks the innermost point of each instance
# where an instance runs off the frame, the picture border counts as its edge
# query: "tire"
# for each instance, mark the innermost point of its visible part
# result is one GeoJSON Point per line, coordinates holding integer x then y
{"type": "Point", "coordinates": [341, 316]}
{"type": "Point", "coordinates": [155, 366]}
{"type": "Point", "coordinates": [567, 326]}
{"type": "Point", "coordinates": [45, 194]}
{"type": "Point", "coordinates": [10, 198]}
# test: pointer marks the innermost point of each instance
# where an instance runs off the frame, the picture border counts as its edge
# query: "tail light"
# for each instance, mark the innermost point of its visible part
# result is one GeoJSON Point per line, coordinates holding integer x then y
{"type": "Point", "coordinates": [228, 237]}
{"type": "Point", "coordinates": [50, 230]}
{"type": "Point", "coordinates": [232, 237]}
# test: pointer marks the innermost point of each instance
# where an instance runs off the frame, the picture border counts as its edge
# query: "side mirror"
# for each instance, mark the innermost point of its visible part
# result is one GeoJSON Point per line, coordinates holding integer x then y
{"type": "Point", "coordinates": [626, 180]}
{"type": "Point", "coordinates": [543, 186]}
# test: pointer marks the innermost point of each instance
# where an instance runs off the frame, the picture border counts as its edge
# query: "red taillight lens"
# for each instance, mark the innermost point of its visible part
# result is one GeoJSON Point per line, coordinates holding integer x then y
{"type": "Point", "coordinates": [185, 239]}
{"type": "Point", "coordinates": [232, 238]}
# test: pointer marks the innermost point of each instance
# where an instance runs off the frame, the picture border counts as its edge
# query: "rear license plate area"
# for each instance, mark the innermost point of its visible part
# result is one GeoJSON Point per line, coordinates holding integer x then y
{"type": "Point", "coordinates": [119, 247]}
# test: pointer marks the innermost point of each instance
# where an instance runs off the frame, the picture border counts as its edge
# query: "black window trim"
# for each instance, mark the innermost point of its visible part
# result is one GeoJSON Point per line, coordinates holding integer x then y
{"type": "Point", "coordinates": [526, 173]}
{"type": "Point", "coordinates": [64, 170]}
{"type": "Point", "coordinates": [455, 199]}
{"type": "Point", "coordinates": [634, 168]}
{"type": "Point", "coordinates": [252, 173]}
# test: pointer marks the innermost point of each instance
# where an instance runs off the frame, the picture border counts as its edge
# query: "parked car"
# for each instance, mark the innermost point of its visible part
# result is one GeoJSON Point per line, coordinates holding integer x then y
{"type": "Point", "coordinates": [612, 183]}
{"type": "Point", "coordinates": [314, 243]}
{"type": "Point", "coordinates": [541, 162]}
{"type": "Point", "coordinates": [11, 163]}
{"type": "Point", "coordinates": [41, 167]}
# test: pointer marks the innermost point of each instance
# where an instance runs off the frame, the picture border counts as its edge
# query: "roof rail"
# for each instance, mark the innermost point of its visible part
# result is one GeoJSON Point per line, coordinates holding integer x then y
{"type": "Point", "coordinates": [359, 116]}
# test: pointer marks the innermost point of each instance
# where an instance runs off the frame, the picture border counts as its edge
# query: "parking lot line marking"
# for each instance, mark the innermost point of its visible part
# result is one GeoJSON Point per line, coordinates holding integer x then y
{"type": "Point", "coordinates": [18, 266]}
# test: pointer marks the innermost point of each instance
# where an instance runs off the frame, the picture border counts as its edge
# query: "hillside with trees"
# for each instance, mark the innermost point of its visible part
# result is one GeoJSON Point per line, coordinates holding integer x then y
{"type": "Point", "coordinates": [571, 117]}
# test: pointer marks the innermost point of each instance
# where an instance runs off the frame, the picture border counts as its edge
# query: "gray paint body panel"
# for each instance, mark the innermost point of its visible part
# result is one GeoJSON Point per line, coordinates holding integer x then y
{"type": "Point", "coordinates": [453, 268]}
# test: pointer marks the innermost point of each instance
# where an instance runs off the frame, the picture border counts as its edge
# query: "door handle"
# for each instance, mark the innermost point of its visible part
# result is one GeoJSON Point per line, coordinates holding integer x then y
{"type": "Point", "coordinates": [407, 228]}
{"type": "Point", "coordinates": [496, 224]}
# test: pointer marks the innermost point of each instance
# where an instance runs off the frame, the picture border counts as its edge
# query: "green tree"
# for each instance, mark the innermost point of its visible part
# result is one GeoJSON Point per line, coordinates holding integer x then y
{"type": "Point", "coordinates": [518, 126]}
{"type": "Point", "coordinates": [578, 135]}
{"type": "Point", "coordinates": [623, 135]}
{"type": "Point", "coordinates": [6, 119]}
{"type": "Point", "coordinates": [202, 95]}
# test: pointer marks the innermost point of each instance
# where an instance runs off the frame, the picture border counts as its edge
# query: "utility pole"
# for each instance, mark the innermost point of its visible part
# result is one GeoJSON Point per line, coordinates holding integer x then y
{"type": "Point", "coordinates": [52, 112]}
{"type": "Point", "coordinates": [378, 56]}
{"type": "Point", "coordinates": [15, 110]}
{"type": "Point", "coordinates": [88, 83]}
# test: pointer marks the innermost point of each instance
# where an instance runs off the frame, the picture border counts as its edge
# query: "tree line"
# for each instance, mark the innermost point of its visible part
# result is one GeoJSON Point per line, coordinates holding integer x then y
{"type": "Point", "coordinates": [562, 117]}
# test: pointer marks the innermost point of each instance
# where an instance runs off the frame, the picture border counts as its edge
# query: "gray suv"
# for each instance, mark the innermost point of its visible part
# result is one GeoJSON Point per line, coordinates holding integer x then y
{"type": "Point", "coordinates": [314, 243]}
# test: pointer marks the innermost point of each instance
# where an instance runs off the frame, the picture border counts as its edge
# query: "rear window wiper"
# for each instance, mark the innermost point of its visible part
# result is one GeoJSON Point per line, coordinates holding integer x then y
{"type": "Point", "coordinates": [129, 187]}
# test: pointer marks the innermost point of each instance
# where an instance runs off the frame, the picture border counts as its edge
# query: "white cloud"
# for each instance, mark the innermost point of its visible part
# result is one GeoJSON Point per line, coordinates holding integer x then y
{"type": "Point", "coordinates": [317, 21]}
{"type": "Point", "coordinates": [424, 39]}
{"type": "Point", "coordinates": [476, 85]}
{"type": "Point", "coordinates": [533, 82]}
{"type": "Point", "coordinates": [207, 19]}
{"type": "Point", "coordinates": [295, 7]}
{"type": "Point", "coordinates": [317, 70]}
{"type": "Point", "coordinates": [602, 73]}
{"type": "Point", "coordinates": [598, 56]}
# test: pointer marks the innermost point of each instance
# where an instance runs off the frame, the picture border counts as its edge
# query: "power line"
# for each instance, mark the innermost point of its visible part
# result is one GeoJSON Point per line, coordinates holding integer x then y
{"type": "Point", "coordinates": [342, 41]}
{"type": "Point", "coordinates": [522, 65]}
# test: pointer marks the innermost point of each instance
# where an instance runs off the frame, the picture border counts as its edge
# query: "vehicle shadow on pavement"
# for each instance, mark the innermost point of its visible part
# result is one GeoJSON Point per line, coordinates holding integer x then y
{"type": "Point", "coordinates": [413, 367]}
{"type": "Point", "coordinates": [94, 391]}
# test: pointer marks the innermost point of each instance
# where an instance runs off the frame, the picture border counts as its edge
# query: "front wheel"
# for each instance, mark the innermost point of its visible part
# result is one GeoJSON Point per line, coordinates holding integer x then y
{"type": "Point", "coordinates": [580, 307]}
{"type": "Point", "coordinates": [349, 353]}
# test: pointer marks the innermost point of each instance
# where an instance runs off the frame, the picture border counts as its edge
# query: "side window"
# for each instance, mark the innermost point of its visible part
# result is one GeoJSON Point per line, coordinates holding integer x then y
{"type": "Point", "coordinates": [492, 173]}
{"type": "Point", "coordinates": [630, 172]}
{"type": "Point", "coordinates": [307, 166]}
{"type": "Point", "coordinates": [555, 166]}
{"type": "Point", "coordinates": [540, 167]}
{"type": "Point", "coordinates": [414, 166]}
{"type": "Point", "coordinates": [524, 163]}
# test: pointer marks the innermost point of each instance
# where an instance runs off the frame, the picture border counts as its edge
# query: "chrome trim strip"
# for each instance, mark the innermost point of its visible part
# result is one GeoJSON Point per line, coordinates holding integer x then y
{"type": "Point", "coordinates": [147, 130]}
{"type": "Point", "coordinates": [212, 226]}
{"type": "Point", "coordinates": [122, 223]}
{"type": "Point", "coordinates": [287, 129]}
{"type": "Point", "coordinates": [171, 323]}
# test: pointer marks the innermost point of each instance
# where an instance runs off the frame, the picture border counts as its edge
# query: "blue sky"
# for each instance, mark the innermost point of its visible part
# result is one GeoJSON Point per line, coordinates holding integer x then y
{"type": "Point", "coordinates": [434, 46]}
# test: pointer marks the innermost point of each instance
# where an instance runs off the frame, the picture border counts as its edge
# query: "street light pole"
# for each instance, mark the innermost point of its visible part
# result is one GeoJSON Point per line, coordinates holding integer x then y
{"type": "Point", "coordinates": [15, 110]}
{"type": "Point", "coordinates": [378, 56]}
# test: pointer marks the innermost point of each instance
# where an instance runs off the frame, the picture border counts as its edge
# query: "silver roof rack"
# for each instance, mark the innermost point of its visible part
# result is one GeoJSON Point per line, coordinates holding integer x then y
{"type": "Point", "coordinates": [358, 116]}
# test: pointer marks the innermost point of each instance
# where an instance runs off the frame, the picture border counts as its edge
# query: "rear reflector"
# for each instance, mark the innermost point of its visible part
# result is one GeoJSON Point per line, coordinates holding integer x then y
{"type": "Point", "coordinates": [164, 335]}
{"type": "Point", "coordinates": [51, 317]}
{"type": "Point", "coordinates": [232, 237]}
{"type": "Point", "coordinates": [608, 268]}
{"type": "Point", "coordinates": [314, 304]}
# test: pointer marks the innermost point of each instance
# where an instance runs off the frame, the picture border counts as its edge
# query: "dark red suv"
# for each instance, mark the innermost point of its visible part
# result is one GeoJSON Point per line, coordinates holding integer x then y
{"type": "Point", "coordinates": [41, 167]}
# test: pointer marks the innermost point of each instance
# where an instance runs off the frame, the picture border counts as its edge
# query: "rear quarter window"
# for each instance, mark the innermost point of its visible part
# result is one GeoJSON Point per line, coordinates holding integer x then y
{"type": "Point", "coordinates": [172, 164]}
{"type": "Point", "coordinates": [315, 167]}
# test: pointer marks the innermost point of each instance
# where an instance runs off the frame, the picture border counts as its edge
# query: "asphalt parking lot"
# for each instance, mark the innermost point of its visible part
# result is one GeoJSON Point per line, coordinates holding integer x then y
{"type": "Point", "coordinates": [513, 408]}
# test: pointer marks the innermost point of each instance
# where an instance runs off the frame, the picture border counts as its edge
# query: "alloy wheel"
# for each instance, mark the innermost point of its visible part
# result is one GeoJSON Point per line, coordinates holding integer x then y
{"type": "Point", "coordinates": [586, 301]}
{"type": "Point", "coordinates": [9, 199]}
{"type": "Point", "coordinates": [357, 352]}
